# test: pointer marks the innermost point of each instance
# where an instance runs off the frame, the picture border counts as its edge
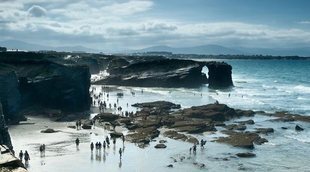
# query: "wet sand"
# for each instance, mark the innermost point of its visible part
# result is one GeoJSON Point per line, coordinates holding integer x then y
{"type": "Point", "coordinates": [286, 150]}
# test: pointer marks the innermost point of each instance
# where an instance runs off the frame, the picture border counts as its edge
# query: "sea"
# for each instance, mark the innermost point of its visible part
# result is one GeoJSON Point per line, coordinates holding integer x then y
{"type": "Point", "coordinates": [261, 85]}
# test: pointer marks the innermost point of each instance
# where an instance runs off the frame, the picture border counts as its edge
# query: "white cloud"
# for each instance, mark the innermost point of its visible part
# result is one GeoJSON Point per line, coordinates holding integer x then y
{"type": "Point", "coordinates": [36, 11]}
{"type": "Point", "coordinates": [125, 24]}
{"type": "Point", "coordinates": [304, 22]}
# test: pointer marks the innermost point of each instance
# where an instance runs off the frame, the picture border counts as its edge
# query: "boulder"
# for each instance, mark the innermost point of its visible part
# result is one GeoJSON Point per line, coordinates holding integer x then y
{"type": "Point", "coordinates": [264, 130]}
{"type": "Point", "coordinates": [192, 127]}
{"type": "Point", "coordinates": [160, 146]}
{"type": "Point", "coordinates": [143, 135]}
{"type": "Point", "coordinates": [260, 141]}
{"type": "Point", "coordinates": [246, 155]}
{"type": "Point", "coordinates": [298, 128]}
{"type": "Point", "coordinates": [214, 112]}
{"type": "Point", "coordinates": [87, 124]}
{"type": "Point", "coordinates": [250, 122]}
{"type": "Point", "coordinates": [161, 105]}
{"type": "Point", "coordinates": [49, 130]}
{"type": "Point", "coordinates": [170, 166]}
{"type": "Point", "coordinates": [106, 117]}
{"type": "Point", "coordinates": [178, 136]}
{"type": "Point", "coordinates": [239, 139]}
{"type": "Point", "coordinates": [240, 127]}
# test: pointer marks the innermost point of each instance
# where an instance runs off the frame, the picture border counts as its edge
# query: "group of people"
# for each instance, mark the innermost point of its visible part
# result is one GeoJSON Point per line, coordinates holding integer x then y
{"type": "Point", "coordinates": [194, 148]}
{"type": "Point", "coordinates": [103, 105]}
{"type": "Point", "coordinates": [24, 156]}
{"type": "Point", "coordinates": [106, 144]}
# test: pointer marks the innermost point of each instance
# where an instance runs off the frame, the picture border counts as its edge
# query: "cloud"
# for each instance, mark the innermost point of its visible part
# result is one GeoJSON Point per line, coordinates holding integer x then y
{"type": "Point", "coordinates": [304, 22]}
{"type": "Point", "coordinates": [37, 11]}
{"type": "Point", "coordinates": [127, 24]}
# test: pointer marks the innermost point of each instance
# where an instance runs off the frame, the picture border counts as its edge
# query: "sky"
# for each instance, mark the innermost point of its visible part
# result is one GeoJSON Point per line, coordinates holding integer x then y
{"type": "Point", "coordinates": [134, 24]}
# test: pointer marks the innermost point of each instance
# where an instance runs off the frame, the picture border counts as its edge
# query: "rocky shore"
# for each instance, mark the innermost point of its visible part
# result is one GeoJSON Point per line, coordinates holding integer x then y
{"type": "Point", "coordinates": [146, 124]}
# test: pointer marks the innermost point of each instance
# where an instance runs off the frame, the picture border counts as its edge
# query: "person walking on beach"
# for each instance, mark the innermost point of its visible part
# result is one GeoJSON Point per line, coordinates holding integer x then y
{"type": "Point", "coordinates": [77, 125]}
{"type": "Point", "coordinates": [77, 141]}
{"type": "Point", "coordinates": [104, 144]}
{"type": "Point", "coordinates": [194, 148]}
{"type": "Point", "coordinates": [120, 153]}
{"type": "Point", "coordinates": [107, 140]}
{"type": "Point", "coordinates": [123, 139]}
{"type": "Point", "coordinates": [26, 157]}
{"type": "Point", "coordinates": [92, 146]}
{"type": "Point", "coordinates": [21, 155]}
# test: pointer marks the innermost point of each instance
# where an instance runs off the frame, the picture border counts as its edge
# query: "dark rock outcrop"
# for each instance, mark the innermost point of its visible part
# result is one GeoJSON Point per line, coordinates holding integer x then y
{"type": "Point", "coordinates": [49, 130]}
{"type": "Point", "coordinates": [178, 136]}
{"type": "Point", "coordinates": [5, 138]}
{"type": "Point", "coordinates": [264, 130]}
{"type": "Point", "coordinates": [8, 162]}
{"type": "Point", "coordinates": [246, 155]}
{"type": "Point", "coordinates": [219, 75]}
{"type": "Point", "coordinates": [160, 146]}
{"type": "Point", "coordinates": [107, 117]}
{"type": "Point", "coordinates": [214, 112]}
{"type": "Point", "coordinates": [240, 139]}
{"type": "Point", "coordinates": [169, 73]}
{"type": "Point", "coordinates": [10, 96]}
{"type": "Point", "coordinates": [298, 128]}
{"type": "Point", "coordinates": [162, 105]}
{"type": "Point", "coordinates": [32, 79]}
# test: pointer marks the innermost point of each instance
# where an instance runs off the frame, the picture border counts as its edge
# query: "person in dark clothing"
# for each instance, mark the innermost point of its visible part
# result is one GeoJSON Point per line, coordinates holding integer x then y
{"type": "Point", "coordinates": [120, 153]}
{"type": "Point", "coordinates": [107, 140]}
{"type": "Point", "coordinates": [21, 155]}
{"type": "Point", "coordinates": [194, 148]}
{"type": "Point", "coordinates": [92, 146]}
{"type": "Point", "coordinates": [77, 141]}
{"type": "Point", "coordinates": [26, 157]}
{"type": "Point", "coordinates": [104, 144]}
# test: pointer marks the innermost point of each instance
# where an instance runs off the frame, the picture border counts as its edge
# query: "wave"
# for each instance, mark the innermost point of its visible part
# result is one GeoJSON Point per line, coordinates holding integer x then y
{"type": "Point", "coordinates": [302, 89]}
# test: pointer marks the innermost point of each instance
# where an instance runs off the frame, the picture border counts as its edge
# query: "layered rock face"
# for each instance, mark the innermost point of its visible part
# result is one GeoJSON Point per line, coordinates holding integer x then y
{"type": "Point", "coordinates": [219, 75]}
{"type": "Point", "coordinates": [10, 97]}
{"type": "Point", "coordinates": [31, 79]}
{"type": "Point", "coordinates": [5, 138]}
{"type": "Point", "coordinates": [169, 73]}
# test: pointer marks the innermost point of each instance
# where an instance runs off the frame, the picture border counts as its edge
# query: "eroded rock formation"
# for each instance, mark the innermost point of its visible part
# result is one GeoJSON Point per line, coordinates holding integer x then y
{"type": "Point", "coordinates": [31, 79]}
{"type": "Point", "coordinates": [169, 73]}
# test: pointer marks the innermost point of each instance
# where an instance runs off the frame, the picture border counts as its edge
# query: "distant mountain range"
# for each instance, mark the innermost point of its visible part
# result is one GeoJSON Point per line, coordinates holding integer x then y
{"type": "Point", "coordinates": [217, 50]}
{"type": "Point", "coordinates": [15, 44]}
{"type": "Point", "coordinates": [203, 49]}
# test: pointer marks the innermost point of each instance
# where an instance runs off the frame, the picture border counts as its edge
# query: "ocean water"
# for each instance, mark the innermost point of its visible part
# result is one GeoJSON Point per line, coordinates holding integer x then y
{"type": "Point", "coordinates": [259, 85]}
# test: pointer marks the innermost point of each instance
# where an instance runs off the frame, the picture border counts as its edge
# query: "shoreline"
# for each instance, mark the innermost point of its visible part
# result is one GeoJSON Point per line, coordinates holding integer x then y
{"type": "Point", "coordinates": [216, 157]}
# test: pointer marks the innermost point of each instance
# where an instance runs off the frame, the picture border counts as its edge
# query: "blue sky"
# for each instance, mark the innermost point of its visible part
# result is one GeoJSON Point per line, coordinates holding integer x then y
{"type": "Point", "coordinates": [134, 24]}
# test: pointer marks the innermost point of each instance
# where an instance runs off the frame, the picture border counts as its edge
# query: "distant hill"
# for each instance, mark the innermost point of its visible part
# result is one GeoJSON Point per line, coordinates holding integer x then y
{"type": "Point", "coordinates": [204, 49]}
{"type": "Point", "coordinates": [15, 44]}
{"type": "Point", "coordinates": [303, 51]}
{"type": "Point", "coordinates": [218, 50]}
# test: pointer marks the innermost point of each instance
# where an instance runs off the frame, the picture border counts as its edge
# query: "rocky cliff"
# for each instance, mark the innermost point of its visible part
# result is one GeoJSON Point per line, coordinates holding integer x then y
{"type": "Point", "coordinates": [31, 79]}
{"type": "Point", "coordinates": [10, 97]}
{"type": "Point", "coordinates": [5, 138]}
{"type": "Point", "coordinates": [169, 73]}
{"type": "Point", "coordinates": [219, 75]}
